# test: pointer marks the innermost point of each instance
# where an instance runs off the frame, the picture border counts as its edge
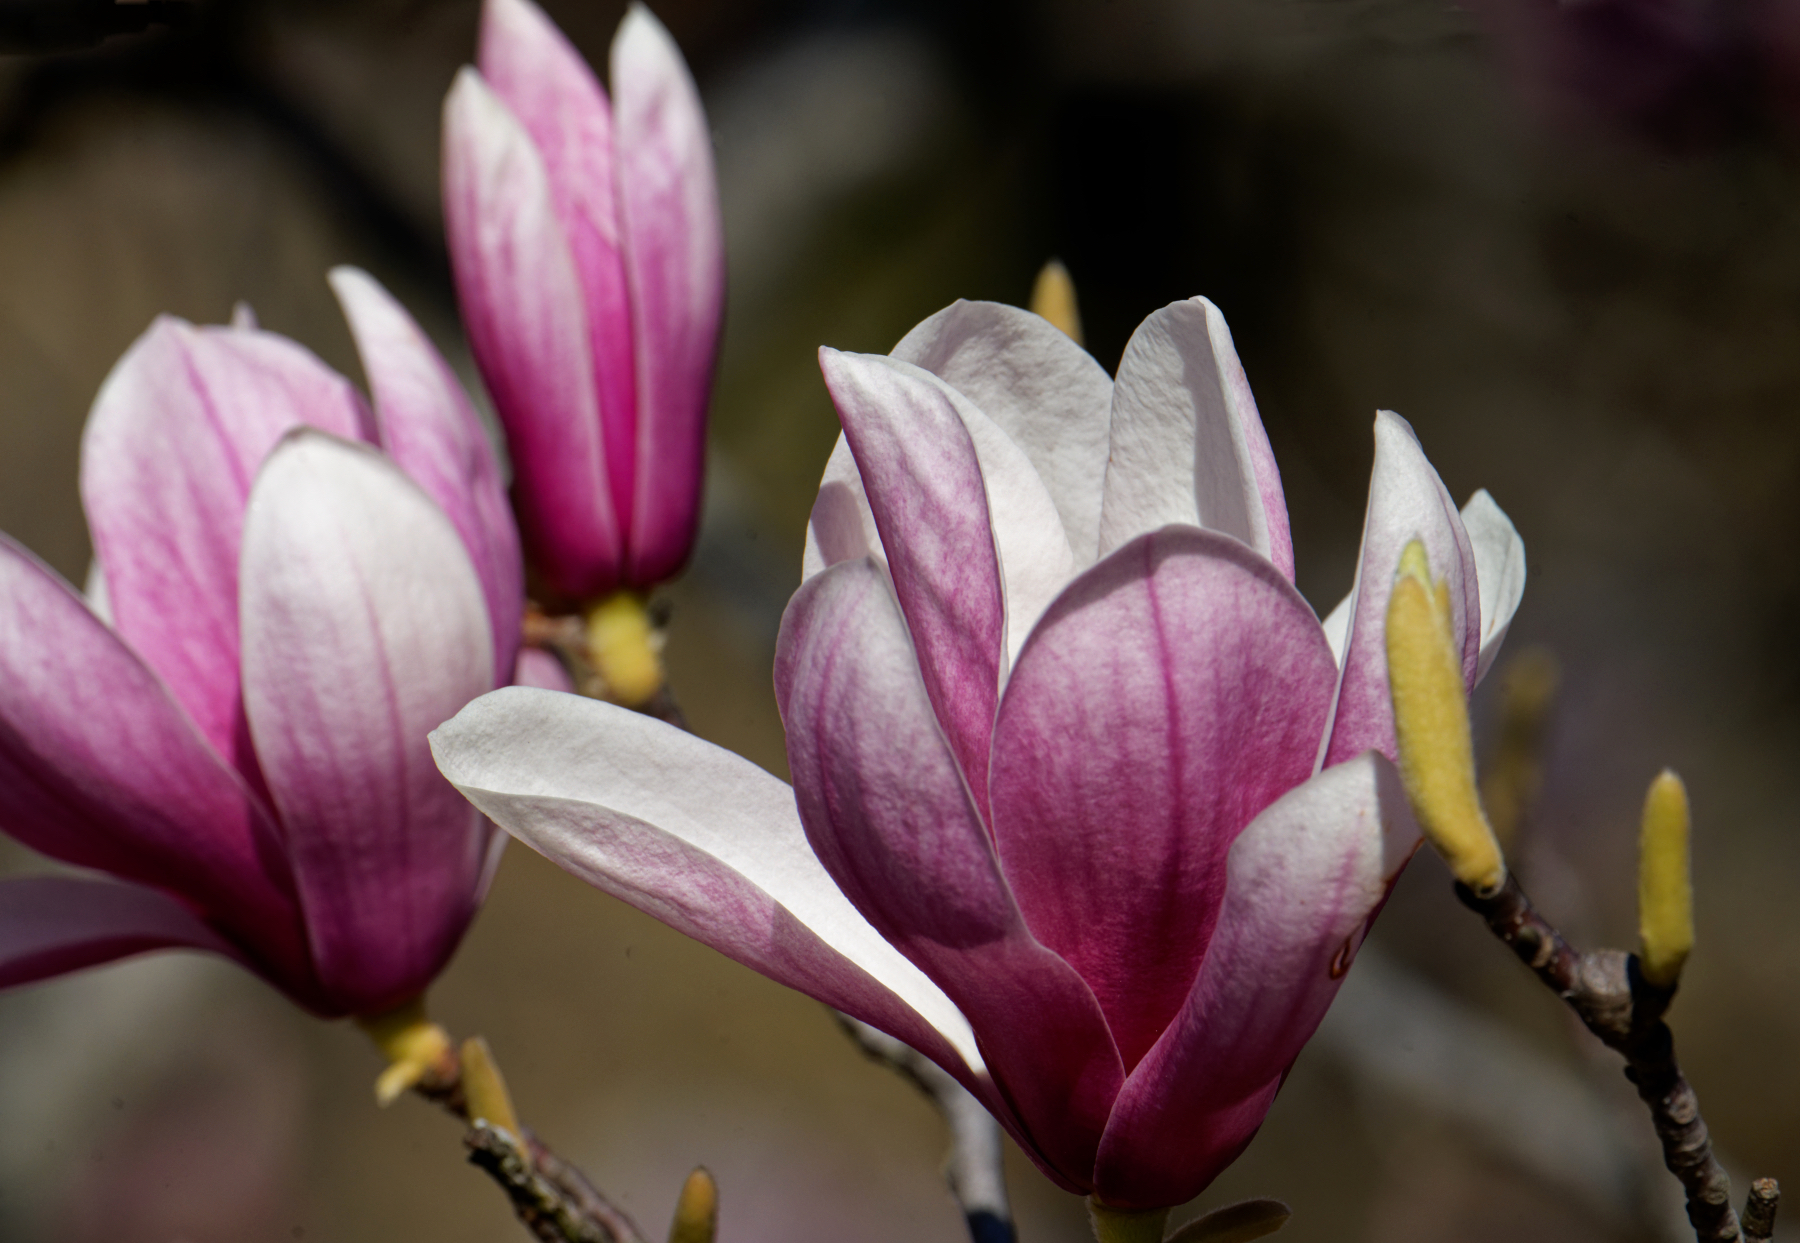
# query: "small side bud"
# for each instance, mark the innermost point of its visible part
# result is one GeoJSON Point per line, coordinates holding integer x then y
{"type": "Point", "coordinates": [697, 1211]}
{"type": "Point", "coordinates": [485, 1089]}
{"type": "Point", "coordinates": [1665, 882]}
{"type": "Point", "coordinates": [413, 1045]}
{"type": "Point", "coordinates": [1053, 297]}
{"type": "Point", "coordinates": [625, 648]}
{"type": "Point", "coordinates": [1431, 725]}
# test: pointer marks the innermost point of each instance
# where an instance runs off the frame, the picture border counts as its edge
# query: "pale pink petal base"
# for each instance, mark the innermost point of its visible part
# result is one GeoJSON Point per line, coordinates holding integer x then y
{"type": "Point", "coordinates": [1499, 568]}
{"type": "Point", "coordinates": [52, 925]}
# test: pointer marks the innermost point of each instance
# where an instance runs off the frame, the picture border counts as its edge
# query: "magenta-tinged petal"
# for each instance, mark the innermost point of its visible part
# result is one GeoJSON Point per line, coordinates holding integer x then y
{"type": "Point", "coordinates": [1304, 882]}
{"type": "Point", "coordinates": [1040, 387]}
{"type": "Point", "coordinates": [698, 837]}
{"type": "Point", "coordinates": [52, 925]}
{"type": "Point", "coordinates": [432, 433]}
{"type": "Point", "coordinates": [1187, 443]}
{"type": "Point", "coordinates": [100, 767]}
{"type": "Point", "coordinates": [925, 489]}
{"type": "Point", "coordinates": [887, 810]}
{"type": "Point", "coordinates": [674, 251]}
{"type": "Point", "coordinates": [546, 84]}
{"type": "Point", "coordinates": [1499, 571]}
{"type": "Point", "coordinates": [536, 667]}
{"type": "Point", "coordinates": [1168, 696]}
{"type": "Point", "coordinates": [174, 441]}
{"type": "Point", "coordinates": [527, 321]}
{"type": "Point", "coordinates": [1407, 501]}
{"type": "Point", "coordinates": [364, 629]}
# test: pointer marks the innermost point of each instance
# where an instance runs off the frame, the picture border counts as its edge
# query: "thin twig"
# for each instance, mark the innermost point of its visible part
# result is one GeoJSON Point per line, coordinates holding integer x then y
{"type": "Point", "coordinates": [1614, 1001]}
{"type": "Point", "coordinates": [1759, 1210]}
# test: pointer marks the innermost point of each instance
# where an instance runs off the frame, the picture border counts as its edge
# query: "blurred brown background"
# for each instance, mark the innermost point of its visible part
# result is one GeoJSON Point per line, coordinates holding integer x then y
{"type": "Point", "coordinates": [1563, 242]}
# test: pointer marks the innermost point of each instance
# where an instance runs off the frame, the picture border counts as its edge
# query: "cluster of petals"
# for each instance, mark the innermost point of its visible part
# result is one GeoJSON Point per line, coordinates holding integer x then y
{"type": "Point", "coordinates": [586, 242]}
{"type": "Point", "coordinates": [291, 589]}
{"type": "Point", "coordinates": [1087, 803]}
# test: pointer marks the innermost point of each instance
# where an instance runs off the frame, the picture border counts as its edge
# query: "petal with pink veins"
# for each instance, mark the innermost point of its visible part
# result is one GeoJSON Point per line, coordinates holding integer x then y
{"type": "Point", "coordinates": [1187, 443]}
{"type": "Point", "coordinates": [1170, 694]}
{"type": "Point", "coordinates": [675, 272]}
{"type": "Point", "coordinates": [1499, 570]}
{"type": "Point", "coordinates": [527, 321]}
{"type": "Point", "coordinates": [1304, 882]}
{"type": "Point", "coordinates": [887, 810]}
{"type": "Point", "coordinates": [364, 629]}
{"type": "Point", "coordinates": [176, 436]}
{"type": "Point", "coordinates": [52, 925]}
{"type": "Point", "coordinates": [432, 433]}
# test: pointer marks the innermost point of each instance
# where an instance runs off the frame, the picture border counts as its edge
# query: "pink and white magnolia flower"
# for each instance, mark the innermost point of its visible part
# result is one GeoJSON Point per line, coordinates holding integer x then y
{"type": "Point", "coordinates": [1088, 805]}
{"type": "Point", "coordinates": [589, 258]}
{"type": "Point", "coordinates": [235, 725]}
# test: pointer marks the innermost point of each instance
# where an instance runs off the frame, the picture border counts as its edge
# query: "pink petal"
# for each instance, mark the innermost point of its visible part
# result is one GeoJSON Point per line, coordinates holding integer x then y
{"type": "Point", "coordinates": [100, 767]}
{"type": "Point", "coordinates": [1407, 501]}
{"type": "Point", "coordinates": [175, 438]}
{"type": "Point", "coordinates": [52, 925]}
{"type": "Point", "coordinates": [527, 321]}
{"type": "Point", "coordinates": [1042, 389]}
{"type": "Point", "coordinates": [546, 84]}
{"type": "Point", "coordinates": [841, 526]}
{"type": "Point", "coordinates": [432, 433]}
{"type": "Point", "coordinates": [1305, 881]}
{"type": "Point", "coordinates": [925, 489]}
{"type": "Point", "coordinates": [698, 837]}
{"type": "Point", "coordinates": [1187, 443]}
{"type": "Point", "coordinates": [536, 667]}
{"type": "Point", "coordinates": [1168, 696]}
{"type": "Point", "coordinates": [364, 628]}
{"type": "Point", "coordinates": [887, 810]}
{"type": "Point", "coordinates": [1499, 571]}
{"type": "Point", "coordinates": [675, 270]}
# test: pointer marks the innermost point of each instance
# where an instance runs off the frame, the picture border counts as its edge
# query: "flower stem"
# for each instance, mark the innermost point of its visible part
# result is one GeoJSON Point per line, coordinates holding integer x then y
{"type": "Point", "coordinates": [1119, 1225]}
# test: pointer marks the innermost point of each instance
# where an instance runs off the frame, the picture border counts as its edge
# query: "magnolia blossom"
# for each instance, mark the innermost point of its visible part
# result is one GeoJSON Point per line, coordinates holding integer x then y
{"type": "Point", "coordinates": [233, 724]}
{"type": "Point", "coordinates": [1088, 805]}
{"type": "Point", "coordinates": [589, 259]}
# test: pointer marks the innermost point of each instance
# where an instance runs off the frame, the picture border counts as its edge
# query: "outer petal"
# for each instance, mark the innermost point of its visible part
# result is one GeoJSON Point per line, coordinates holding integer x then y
{"type": "Point", "coordinates": [1305, 881]}
{"type": "Point", "coordinates": [52, 925]}
{"type": "Point", "coordinates": [1500, 569]}
{"type": "Point", "coordinates": [527, 321]}
{"type": "Point", "coordinates": [675, 269]}
{"type": "Point", "coordinates": [1407, 501]}
{"type": "Point", "coordinates": [1187, 444]}
{"type": "Point", "coordinates": [886, 808]}
{"type": "Point", "coordinates": [1169, 695]}
{"type": "Point", "coordinates": [546, 84]}
{"type": "Point", "coordinates": [100, 767]}
{"type": "Point", "coordinates": [364, 628]}
{"type": "Point", "coordinates": [698, 837]}
{"type": "Point", "coordinates": [1042, 389]}
{"type": "Point", "coordinates": [175, 438]}
{"type": "Point", "coordinates": [432, 433]}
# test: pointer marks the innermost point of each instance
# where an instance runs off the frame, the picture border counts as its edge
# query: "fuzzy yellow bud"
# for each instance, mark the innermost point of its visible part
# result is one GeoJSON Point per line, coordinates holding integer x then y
{"type": "Point", "coordinates": [1665, 882]}
{"type": "Point", "coordinates": [1431, 725]}
{"type": "Point", "coordinates": [412, 1044]}
{"type": "Point", "coordinates": [626, 649]}
{"type": "Point", "coordinates": [697, 1211]}
{"type": "Point", "coordinates": [485, 1089]}
{"type": "Point", "coordinates": [1053, 297]}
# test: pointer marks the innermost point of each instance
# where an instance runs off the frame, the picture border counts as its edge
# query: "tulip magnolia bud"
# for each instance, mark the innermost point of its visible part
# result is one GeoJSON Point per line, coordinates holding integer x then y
{"type": "Point", "coordinates": [1053, 297]}
{"type": "Point", "coordinates": [625, 648]}
{"type": "Point", "coordinates": [1665, 883]}
{"type": "Point", "coordinates": [411, 1042]}
{"type": "Point", "coordinates": [485, 1089]}
{"type": "Point", "coordinates": [697, 1211]}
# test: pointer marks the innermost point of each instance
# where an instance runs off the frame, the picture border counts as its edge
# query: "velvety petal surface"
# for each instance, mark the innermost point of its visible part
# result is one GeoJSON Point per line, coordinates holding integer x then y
{"type": "Point", "coordinates": [171, 448]}
{"type": "Point", "coordinates": [674, 252]}
{"type": "Point", "coordinates": [1041, 388]}
{"type": "Point", "coordinates": [888, 812]}
{"type": "Point", "coordinates": [101, 767]}
{"type": "Point", "coordinates": [698, 837]}
{"type": "Point", "coordinates": [432, 433]}
{"type": "Point", "coordinates": [1187, 443]}
{"type": "Point", "coordinates": [526, 316]}
{"type": "Point", "coordinates": [364, 628]}
{"type": "Point", "coordinates": [1407, 501]}
{"type": "Point", "coordinates": [547, 85]}
{"type": "Point", "coordinates": [1305, 880]}
{"type": "Point", "coordinates": [1169, 695]}
{"type": "Point", "coordinates": [1499, 571]}
{"type": "Point", "coordinates": [52, 925]}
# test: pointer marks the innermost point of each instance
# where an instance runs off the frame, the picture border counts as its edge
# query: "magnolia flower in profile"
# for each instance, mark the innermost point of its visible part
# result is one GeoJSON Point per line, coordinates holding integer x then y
{"type": "Point", "coordinates": [1088, 804]}
{"type": "Point", "coordinates": [587, 247]}
{"type": "Point", "coordinates": [290, 593]}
